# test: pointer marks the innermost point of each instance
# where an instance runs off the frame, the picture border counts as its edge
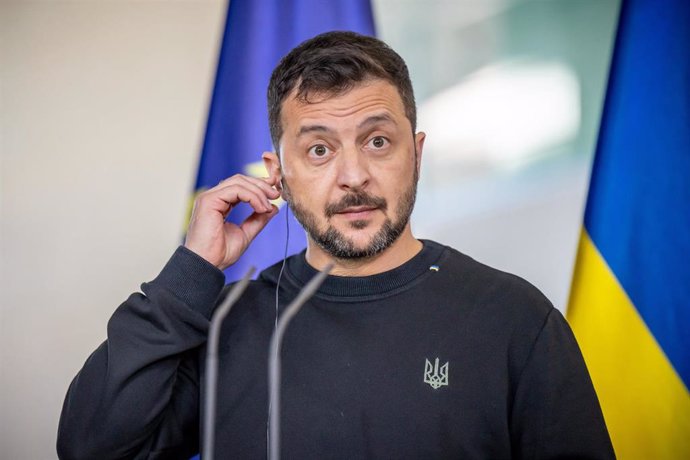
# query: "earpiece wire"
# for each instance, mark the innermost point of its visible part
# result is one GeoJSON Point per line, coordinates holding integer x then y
{"type": "Point", "coordinates": [275, 325]}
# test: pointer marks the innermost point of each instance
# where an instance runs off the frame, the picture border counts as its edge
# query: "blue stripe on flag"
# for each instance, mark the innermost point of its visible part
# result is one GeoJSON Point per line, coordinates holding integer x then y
{"type": "Point", "coordinates": [638, 212]}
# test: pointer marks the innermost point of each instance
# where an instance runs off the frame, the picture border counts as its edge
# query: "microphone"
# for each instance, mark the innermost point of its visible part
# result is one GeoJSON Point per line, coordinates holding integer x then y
{"type": "Point", "coordinates": [274, 363]}
{"type": "Point", "coordinates": [212, 361]}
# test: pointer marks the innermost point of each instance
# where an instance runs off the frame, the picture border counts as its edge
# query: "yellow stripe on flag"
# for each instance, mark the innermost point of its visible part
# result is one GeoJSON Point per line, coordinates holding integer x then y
{"type": "Point", "coordinates": [645, 403]}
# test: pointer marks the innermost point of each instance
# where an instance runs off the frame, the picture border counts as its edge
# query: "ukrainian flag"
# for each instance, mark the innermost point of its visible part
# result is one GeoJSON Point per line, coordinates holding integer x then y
{"type": "Point", "coordinates": [257, 34]}
{"type": "Point", "coordinates": [630, 299]}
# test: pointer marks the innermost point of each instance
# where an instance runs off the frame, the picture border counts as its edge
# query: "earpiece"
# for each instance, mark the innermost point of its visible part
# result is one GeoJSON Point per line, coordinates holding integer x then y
{"type": "Point", "coordinates": [280, 186]}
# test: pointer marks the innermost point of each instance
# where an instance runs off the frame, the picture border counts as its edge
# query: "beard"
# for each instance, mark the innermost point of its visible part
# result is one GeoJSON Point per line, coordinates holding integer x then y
{"type": "Point", "coordinates": [340, 246]}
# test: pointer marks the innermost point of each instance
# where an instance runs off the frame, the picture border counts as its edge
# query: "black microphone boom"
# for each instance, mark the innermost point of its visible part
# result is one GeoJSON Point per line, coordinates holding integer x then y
{"type": "Point", "coordinates": [212, 362]}
{"type": "Point", "coordinates": [274, 359]}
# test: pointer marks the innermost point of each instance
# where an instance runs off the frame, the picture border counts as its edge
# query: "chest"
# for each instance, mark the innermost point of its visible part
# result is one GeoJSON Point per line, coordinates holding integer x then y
{"type": "Point", "coordinates": [368, 385]}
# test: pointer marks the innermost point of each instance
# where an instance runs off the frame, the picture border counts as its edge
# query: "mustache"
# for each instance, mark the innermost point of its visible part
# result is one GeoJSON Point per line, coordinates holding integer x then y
{"type": "Point", "coordinates": [356, 199]}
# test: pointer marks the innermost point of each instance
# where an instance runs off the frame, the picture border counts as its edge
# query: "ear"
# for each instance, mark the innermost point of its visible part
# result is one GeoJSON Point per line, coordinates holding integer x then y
{"type": "Point", "coordinates": [272, 164]}
{"type": "Point", "coordinates": [419, 139]}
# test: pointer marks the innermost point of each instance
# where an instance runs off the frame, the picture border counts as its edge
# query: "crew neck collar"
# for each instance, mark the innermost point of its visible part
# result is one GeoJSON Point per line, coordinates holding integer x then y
{"type": "Point", "coordinates": [373, 285]}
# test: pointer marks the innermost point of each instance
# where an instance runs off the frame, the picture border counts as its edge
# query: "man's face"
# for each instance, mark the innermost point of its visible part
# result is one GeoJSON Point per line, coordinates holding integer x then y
{"type": "Point", "coordinates": [350, 168]}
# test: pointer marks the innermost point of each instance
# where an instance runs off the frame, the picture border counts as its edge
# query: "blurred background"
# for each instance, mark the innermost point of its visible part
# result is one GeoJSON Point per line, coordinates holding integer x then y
{"type": "Point", "coordinates": [103, 107]}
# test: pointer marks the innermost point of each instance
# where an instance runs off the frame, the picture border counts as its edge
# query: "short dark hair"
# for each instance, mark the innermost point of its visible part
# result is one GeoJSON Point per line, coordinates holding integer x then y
{"type": "Point", "coordinates": [333, 63]}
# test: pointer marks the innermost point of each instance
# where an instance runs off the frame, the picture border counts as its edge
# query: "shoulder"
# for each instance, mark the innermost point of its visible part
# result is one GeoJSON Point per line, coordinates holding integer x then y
{"type": "Point", "coordinates": [501, 316]}
{"type": "Point", "coordinates": [493, 294]}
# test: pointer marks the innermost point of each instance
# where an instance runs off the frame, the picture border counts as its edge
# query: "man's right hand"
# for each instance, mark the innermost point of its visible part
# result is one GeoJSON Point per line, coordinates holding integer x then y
{"type": "Point", "coordinates": [220, 242]}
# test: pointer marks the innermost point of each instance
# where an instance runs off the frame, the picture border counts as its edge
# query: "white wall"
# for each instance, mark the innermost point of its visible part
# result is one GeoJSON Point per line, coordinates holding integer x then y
{"type": "Point", "coordinates": [103, 106]}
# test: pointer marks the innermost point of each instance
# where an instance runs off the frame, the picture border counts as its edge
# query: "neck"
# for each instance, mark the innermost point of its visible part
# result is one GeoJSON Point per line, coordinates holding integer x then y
{"type": "Point", "coordinates": [402, 250]}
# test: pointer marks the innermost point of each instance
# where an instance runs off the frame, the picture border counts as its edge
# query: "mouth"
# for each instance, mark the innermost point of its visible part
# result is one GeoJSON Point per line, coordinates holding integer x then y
{"type": "Point", "coordinates": [357, 212]}
{"type": "Point", "coordinates": [356, 206]}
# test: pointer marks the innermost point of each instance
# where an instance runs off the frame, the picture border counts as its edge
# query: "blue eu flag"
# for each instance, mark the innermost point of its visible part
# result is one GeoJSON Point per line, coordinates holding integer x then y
{"type": "Point", "coordinates": [258, 33]}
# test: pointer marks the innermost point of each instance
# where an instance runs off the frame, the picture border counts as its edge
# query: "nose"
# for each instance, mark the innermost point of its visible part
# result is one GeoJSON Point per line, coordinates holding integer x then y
{"type": "Point", "coordinates": [353, 169]}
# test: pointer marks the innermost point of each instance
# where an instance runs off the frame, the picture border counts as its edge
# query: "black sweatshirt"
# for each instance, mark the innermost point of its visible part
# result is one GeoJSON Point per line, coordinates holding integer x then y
{"type": "Point", "coordinates": [441, 357]}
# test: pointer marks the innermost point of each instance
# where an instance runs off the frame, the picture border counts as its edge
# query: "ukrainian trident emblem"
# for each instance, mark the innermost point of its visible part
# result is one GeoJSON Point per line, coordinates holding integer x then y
{"type": "Point", "coordinates": [434, 375]}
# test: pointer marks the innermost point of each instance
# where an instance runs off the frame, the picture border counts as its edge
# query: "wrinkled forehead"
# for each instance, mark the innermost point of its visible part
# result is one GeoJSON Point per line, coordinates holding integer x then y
{"type": "Point", "coordinates": [358, 100]}
{"type": "Point", "coordinates": [308, 93]}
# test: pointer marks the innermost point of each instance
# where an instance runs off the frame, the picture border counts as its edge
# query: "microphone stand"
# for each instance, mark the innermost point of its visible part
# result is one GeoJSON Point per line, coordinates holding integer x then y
{"type": "Point", "coordinates": [274, 364]}
{"type": "Point", "coordinates": [212, 362]}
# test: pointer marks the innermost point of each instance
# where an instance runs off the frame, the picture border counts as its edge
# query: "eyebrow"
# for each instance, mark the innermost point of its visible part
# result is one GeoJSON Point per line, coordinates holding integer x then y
{"type": "Point", "coordinates": [313, 128]}
{"type": "Point", "coordinates": [372, 120]}
{"type": "Point", "coordinates": [376, 119]}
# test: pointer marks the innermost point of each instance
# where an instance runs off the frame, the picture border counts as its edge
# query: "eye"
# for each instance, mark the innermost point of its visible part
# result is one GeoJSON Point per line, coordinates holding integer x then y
{"type": "Point", "coordinates": [319, 150]}
{"type": "Point", "coordinates": [378, 142]}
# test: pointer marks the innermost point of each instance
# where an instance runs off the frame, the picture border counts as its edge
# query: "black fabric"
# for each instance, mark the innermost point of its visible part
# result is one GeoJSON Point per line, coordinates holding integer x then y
{"type": "Point", "coordinates": [354, 362]}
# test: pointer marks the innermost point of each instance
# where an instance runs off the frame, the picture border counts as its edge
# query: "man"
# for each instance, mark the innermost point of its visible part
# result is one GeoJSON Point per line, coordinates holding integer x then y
{"type": "Point", "coordinates": [408, 350]}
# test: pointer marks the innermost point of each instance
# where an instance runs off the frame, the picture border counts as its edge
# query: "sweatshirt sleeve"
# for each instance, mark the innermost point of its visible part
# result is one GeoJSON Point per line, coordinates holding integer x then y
{"type": "Point", "coordinates": [556, 413]}
{"type": "Point", "coordinates": [137, 394]}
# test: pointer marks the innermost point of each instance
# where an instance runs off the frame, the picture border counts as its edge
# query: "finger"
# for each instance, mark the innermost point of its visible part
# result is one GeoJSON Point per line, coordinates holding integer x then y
{"type": "Point", "coordinates": [223, 199]}
{"type": "Point", "coordinates": [263, 192]}
{"type": "Point", "coordinates": [257, 200]}
{"type": "Point", "coordinates": [262, 184]}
